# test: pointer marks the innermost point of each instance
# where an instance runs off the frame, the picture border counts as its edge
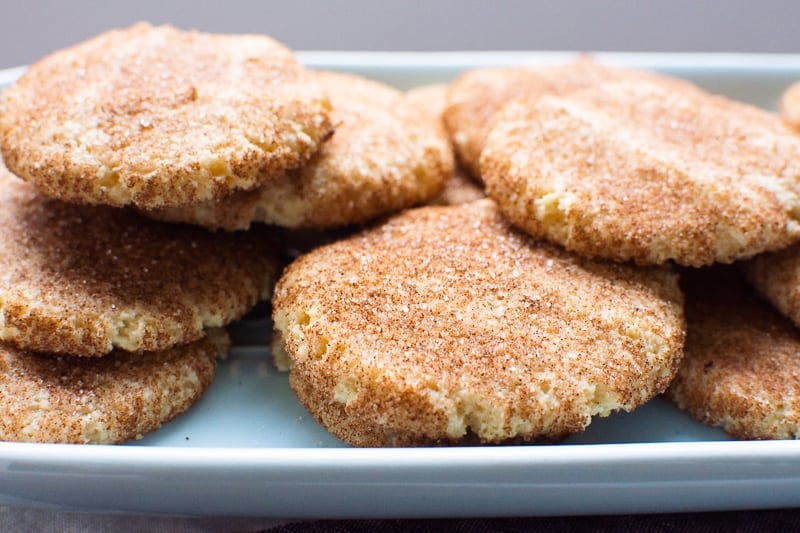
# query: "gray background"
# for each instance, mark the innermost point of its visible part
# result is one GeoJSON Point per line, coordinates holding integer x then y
{"type": "Point", "coordinates": [30, 29]}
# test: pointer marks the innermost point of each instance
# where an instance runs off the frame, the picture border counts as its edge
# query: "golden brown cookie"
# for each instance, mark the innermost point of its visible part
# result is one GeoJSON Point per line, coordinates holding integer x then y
{"type": "Point", "coordinates": [460, 188]}
{"type": "Point", "coordinates": [777, 277]}
{"type": "Point", "coordinates": [789, 106]}
{"type": "Point", "coordinates": [385, 155]}
{"type": "Point", "coordinates": [88, 279]}
{"type": "Point", "coordinates": [432, 99]}
{"type": "Point", "coordinates": [476, 95]}
{"type": "Point", "coordinates": [741, 369]}
{"type": "Point", "coordinates": [64, 399]}
{"type": "Point", "coordinates": [155, 116]}
{"type": "Point", "coordinates": [444, 325]}
{"type": "Point", "coordinates": [646, 170]}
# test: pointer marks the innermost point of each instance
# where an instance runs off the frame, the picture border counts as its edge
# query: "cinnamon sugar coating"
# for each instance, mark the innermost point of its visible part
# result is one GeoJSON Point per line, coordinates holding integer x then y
{"type": "Point", "coordinates": [444, 325]}
{"type": "Point", "coordinates": [385, 155]}
{"type": "Point", "coordinates": [63, 399]}
{"type": "Point", "coordinates": [85, 280]}
{"type": "Point", "coordinates": [741, 369]}
{"type": "Point", "coordinates": [431, 99]}
{"type": "Point", "coordinates": [155, 116]}
{"type": "Point", "coordinates": [789, 106]}
{"type": "Point", "coordinates": [475, 96]}
{"type": "Point", "coordinates": [647, 170]}
{"type": "Point", "coordinates": [460, 187]}
{"type": "Point", "coordinates": [777, 277]}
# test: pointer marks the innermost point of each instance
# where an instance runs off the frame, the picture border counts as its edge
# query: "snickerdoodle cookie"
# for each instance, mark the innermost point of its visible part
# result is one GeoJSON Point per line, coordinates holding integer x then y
{"type": "Point", "coordinates": [155, 116]}
{"type": "Point", "coordinates": [789, 106]}
{"type": "Point", "coordinates": [386, 154]}
{"type": "Point", "coordinates": [474, 97]}
{"type": "Point", "coordinates": [649, 170]}
{"type": "Point", "coordinates": [86, 280]}
{"type": "Point", "coordinates": [444, 325]}
{"type": "Point", "coordinates": [776, 276]}
{"type": "Point", "coordinates": [741, 369]}
{"type": "Point", "coordinates": [66, 399]}
{"type": "Point", "coordinates": [459, 188]}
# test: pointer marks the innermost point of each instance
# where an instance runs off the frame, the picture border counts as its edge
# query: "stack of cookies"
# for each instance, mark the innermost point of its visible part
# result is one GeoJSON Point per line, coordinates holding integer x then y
{"type": "Point", "coordinates": [111, 322]}
{"type": "Point", "coordinates": [148, 169]}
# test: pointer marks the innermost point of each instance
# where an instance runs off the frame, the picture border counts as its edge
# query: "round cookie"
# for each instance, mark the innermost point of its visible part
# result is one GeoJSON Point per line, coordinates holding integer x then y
{"type": "Point", "coordinates": [646, 170]}
{"type": "Point", "coordinates": [385, 155]}
{"type": "Point", "coordinates": [475, 96]}
{"type": "Point", "coordinates": [789, 106]}
{"type": "Point", "coordinates": [88, 279]}
{"type": "Point", "coordinates": [155, 116]}
{"type": "Point", "coordinates": [776, 276]}
{"type": "Point", "coordinates": [432, 99]}
{"type": "Point", "coordinates": [444, 325]}
{"type": "Point", "coordinates": [741, 369]}
{"type": "Point", "coordinates": [460, 188]}
{"type": "Point", "coordinates": [64, 399]}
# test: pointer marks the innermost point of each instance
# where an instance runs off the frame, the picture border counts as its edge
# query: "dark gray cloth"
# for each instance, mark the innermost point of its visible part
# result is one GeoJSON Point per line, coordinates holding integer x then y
{"type": "Point", "coordinates": [21, 519]}
{"type": "Point", "coordinates": [729, 522]}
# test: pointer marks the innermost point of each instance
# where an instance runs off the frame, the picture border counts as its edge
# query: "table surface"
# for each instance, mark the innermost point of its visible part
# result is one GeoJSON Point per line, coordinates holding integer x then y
{"type": "Point", "coordinates": [21, 519]}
